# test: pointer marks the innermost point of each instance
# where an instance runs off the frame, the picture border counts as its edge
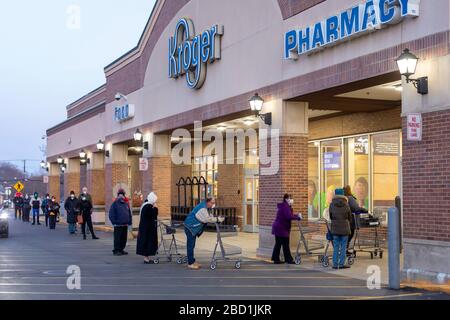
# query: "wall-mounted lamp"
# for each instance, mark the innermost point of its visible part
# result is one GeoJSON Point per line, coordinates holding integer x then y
{"type": "Point", "coordinates": [139, 137]}
{"type": "Point", "coordinates": [63, 167]}
{"type": "Point", "coordinates": [44, 165]}
{"type": "Point", "coordinates": [407, 64]}
{"type": "Point", "coordinates": [60, 160]}
{"type": "Point", "coordinates": [256, 105]}
{"type": "Point", "coordinates": [101, 147]}
{"type": "Point", "coordinates": [83, 157]}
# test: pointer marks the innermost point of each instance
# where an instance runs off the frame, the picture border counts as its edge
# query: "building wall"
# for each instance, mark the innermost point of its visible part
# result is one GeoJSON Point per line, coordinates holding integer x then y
{"type": "Point", "coordinates": [96, 186]}
{"type": "Point", "coordinates": [230, 188]}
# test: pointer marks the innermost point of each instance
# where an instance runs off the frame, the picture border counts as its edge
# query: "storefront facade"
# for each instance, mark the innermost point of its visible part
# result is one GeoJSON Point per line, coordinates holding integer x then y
{"type": "Point", "coordinates": [328, 76]}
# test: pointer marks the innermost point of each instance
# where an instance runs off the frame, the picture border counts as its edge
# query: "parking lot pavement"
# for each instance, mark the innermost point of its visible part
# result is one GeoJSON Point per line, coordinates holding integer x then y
{"type": "Point", "coordinates": [34, 261]}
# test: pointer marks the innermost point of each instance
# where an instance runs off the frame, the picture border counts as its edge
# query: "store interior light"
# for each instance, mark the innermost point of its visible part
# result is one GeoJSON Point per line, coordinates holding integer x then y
{"type": "Point", "coordinates": [249, 122]}
{"type": "Point", "coordinates": [221, 128]}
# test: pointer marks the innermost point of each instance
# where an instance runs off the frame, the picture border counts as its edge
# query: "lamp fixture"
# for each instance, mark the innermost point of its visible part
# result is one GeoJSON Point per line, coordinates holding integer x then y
{"type": "Point", "coordinates": [60, 160]}
{"type": "Point", "coordinates": [407, 65]}
{"type": "Point", "coordinates": [83, 157]}
{"type": "Point", "coordinates": [138, 135]}
{"type": "Point", "coordinates": [63, 167]}
{"type": "Point", "coordinates": [256, 105]}
{"type": "Point", "coordinates": [100, 145]}
{"type": "Point", "coordinates": [44, 165]}
{"type": "Point", "coordinates": [83, 154]}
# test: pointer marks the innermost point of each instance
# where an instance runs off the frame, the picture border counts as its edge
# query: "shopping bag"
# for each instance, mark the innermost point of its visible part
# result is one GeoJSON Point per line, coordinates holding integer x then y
{"type": "Point", "coordinates": [80, 219]}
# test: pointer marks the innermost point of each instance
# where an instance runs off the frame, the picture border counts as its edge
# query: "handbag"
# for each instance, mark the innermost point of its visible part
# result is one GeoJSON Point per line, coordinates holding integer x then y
{"type": "Point", "coordinates": [80, 219]}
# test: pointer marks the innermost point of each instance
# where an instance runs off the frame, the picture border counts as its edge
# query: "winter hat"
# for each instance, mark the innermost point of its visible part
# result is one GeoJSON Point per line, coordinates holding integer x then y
{"type": "Point", "coordinates": [339, 192]}
{"type": "Point", "coordinates": [72, 192]}
{"type": "Point", "coordinates": [121, 192]}
{"type": "Point", "coordinates": [152, 198]}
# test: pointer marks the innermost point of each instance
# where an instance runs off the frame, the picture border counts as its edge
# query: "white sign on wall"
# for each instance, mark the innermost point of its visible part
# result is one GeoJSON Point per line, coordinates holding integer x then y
{"type": "Point", "coordinates": [143, 164]}
{"type": "Point", "coordinates": [414, 127]}
{"type": "Point", "coordinates": [45, 179]}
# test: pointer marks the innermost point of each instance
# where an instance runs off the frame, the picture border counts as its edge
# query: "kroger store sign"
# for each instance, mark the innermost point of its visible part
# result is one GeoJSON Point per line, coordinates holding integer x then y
{"type": "Point", "coordinates": [363, 18]}
{"type": "Point", "coordinates": [189, 54]}
{"type": "Point", "coordinates": [123, 113]}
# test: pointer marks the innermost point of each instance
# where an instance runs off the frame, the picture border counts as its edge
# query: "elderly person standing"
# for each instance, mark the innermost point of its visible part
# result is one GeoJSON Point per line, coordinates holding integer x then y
{"type": "Point", "coordinates": [147, 242]}
{"type": "Point", "coordinates": [72, 207]}
{"type": "Point", "coordinates": [341, 219]}
{"type": "Point", "coordinates": [281, 229]}
{"type": "Point", "coordinates": [120, 217]}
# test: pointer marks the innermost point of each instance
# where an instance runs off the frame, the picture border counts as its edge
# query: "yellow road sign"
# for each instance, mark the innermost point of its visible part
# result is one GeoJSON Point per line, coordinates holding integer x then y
{"type": "Point", "coordinates": [19, 186]}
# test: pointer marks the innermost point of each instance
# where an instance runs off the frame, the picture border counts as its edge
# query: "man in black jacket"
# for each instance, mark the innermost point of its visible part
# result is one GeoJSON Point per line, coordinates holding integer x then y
{"type": "Point", "coordinates": [86, 207]}
{"type": "Point", "coordinates": [120, 217]}
{"type": "Point", "coordinates": [18, 203]}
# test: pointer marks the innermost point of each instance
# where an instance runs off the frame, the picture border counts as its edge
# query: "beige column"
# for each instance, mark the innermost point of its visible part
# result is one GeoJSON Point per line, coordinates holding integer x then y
{"type": "Point", "coordinates": [72, 177]}
{"type": "Point", "coordinates": [54, 182]}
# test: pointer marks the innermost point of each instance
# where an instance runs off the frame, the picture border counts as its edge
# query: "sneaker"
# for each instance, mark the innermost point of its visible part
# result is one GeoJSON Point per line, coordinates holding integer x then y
{"type": "Point", "coordinates": [335, 268]}
{"type": "Point", "coordinates": [194, 266]}
{"type": "Point", "coordinates": [277, 262]}
{"type": "Point", "coordinates": [84, 237]}
{"type": "Point", "coordinates": [344, 267]}
{"type": "Point", "coordinates": [95, 238]}
{"type": "Point", "coordinates": [149, 262]}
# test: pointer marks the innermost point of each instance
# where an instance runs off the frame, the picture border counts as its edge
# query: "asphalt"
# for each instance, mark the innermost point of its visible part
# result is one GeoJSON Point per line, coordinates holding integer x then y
{"type": "Point", "coordinates": [34, 261]}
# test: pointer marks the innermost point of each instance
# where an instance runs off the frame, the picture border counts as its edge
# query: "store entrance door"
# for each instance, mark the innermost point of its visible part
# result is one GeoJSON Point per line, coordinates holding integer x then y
{"type": "Point", "coordinates": [251, 202]}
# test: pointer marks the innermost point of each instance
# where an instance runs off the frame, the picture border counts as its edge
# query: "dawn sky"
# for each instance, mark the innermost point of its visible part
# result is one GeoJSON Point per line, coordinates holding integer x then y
{"type": "Point", "coordinates": [51, 56]}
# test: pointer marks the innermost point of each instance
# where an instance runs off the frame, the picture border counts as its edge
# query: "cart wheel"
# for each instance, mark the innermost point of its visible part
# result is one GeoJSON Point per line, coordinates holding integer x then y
{"type": "Point", "coordinates": [213, 265]}
{"type": "Point", "coordinates": [237, 265]}
{"type": "Point", "coordinates": [185, 260]}
{"type": "Point", "coordinates": [320, 258]}
{"type": "Point", "coordinates": [354, 254]}
{"type": "Point", "coordinates": [325, 262]}
{"type": "Point", "coordinates": [351, 261]}
{"type": "Point", "coordinates": [371, 255]}
{"type": "Point", "coordinates": [298, 260]}
{"type": "Point", "coordinates": [375, 253]}
{"type": "Point", "coordinates": [381, 254]}
{"type": "Point", "coordinates": [180, 261]}
{"type": "Point", "coordinates": [156, 261]}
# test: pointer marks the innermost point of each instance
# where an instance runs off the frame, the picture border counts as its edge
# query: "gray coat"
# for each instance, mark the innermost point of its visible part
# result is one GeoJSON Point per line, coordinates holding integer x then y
{"type": "Point", "coordinates": [341, 216]}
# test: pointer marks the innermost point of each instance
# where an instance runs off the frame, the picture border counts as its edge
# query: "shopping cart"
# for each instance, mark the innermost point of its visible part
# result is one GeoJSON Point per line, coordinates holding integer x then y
{"type": "Point", "coordinates": [369, 241]}
{"type": "Point", "coordinates": [310, 246]}
{"type": "Point", "coordinates": [225, 255]}
{"type": "Point", "coordinates": [168, 247]}
{"type": "Point", "coordinates": [325, 258]}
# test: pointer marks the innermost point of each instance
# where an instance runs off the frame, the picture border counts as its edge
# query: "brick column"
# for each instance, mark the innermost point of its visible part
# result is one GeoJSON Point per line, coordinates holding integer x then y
{"type": "Point", "coordinates": [95, 182]}
{"type": "Point", "coordinates": [158, 177]}
{"type": "Point", "coordinates": [54, 182]}
{"type": "Point", "coordinates": [426, 176]}
{"type": "Point", "coordinates": [116, 174]}
{"type": "Point", "coordinates": [72, 177]}
{"type": "Point", "coordinates": [287, 171]}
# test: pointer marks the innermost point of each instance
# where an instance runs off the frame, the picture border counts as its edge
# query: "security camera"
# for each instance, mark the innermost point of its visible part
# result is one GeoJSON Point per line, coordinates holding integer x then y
{"type": "Point", "coordinates": [118, 96]}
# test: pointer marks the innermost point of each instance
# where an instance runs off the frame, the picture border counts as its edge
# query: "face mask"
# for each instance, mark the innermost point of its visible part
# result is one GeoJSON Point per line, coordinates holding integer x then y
{"type": "Point", "coordinates": [291, 202]}
{"type": "Point", "coordinates": [72, 197]}
{"type": "Point", "coordinates": [213, 206]}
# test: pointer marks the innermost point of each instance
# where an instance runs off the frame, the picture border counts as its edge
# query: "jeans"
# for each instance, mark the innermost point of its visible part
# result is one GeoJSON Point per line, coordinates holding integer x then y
{"type": "Point", "coordinates": [282, 242]}
{"type": "Point", "coordinates": [36, 215]}
{"type": "Point", "coordinates": [339, 250]}
{"type": "Point", "coordinates": [72, 227]}
{"type": "Point", "coordinates": [120, 238]}
{"type": "Point", "coordinates": [190, 246]}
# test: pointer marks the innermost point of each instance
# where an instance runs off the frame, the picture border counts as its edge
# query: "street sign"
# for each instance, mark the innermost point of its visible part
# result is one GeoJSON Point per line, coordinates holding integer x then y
{"type": "Point", "coordinates": [414, 127]}
{"type": "Point", "coordinates": [19, 186]}
{"type": "Point", "coordinates": [143, 164]}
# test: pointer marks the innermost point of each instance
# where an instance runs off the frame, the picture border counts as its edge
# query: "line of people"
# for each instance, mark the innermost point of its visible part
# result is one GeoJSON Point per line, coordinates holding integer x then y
{"type": "Point", "coordinates": [24, 205]}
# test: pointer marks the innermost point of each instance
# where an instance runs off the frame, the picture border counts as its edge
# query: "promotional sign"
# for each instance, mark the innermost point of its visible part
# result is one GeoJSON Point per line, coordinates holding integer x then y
{"type": "Point", "coordinates": [123, 113]}
{"type": "Point", "coordinates": [19, 186]}
{"type": "Point", "coordinates": [414, 127]}
{"type": "Point", "coordinates": [45, 179]}
{"type": "Point", "coordinates": [361, 19]}
{"type": "Point", "coordinates": [332, 160]}
{"type": "Point", "coordinates": [189, 54]}
{"type": "Point", "coordinates": [143, 164]}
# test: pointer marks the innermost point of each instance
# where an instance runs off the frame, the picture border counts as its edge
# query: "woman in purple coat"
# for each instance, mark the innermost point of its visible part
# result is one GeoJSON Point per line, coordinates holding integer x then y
{"type": "Point", "coordinates": [281, 229]}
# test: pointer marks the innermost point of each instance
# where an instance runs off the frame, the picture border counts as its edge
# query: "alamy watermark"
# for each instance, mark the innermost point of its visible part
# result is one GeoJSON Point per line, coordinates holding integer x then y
{"type": "Point", "coordinates": [74, 280]}
{"type": "Point", "coordinates": [374, 279]}
{"type": "Point", "coordinates": [73, 21]}
{"type": "Point", "coordinates": [230, 146]}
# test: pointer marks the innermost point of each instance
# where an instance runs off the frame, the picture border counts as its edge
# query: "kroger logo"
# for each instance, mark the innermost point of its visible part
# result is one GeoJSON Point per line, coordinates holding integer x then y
{"type": "Point", "coordinates": [189, 54]}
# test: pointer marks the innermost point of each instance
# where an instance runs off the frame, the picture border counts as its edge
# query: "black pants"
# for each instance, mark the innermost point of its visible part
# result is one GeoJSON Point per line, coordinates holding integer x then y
{"type": "Point", "coordinates": [17, 213]}
{"type": "Point", "coordinates": [46, 219]}
{"type": "Point", "coordinates": [120, 238]}
{"type": "Point", "coordinates": [282, 242]}
{"type": "Point", "coordinates": [52, 222]}
{"type": "Point", "coordinates": [26, 215]}
{"type": "Point", "coordinates": [87, 219]}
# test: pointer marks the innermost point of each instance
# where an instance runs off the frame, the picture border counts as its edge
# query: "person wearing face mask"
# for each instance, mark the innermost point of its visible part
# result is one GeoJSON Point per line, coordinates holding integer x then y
{"type": "Point", "coordinates": [147, 241]}
{"type": "Point", "coordinates": [281, 229]}
{"type": "Point", "coordinates": [44, 207]}
{"type": "Point", "coordinates": [195, 224]}
{"type": "Point", "coordinates": [53, 213]}
{"type": "Point", "coordinates": [26, 208]}
{"type": "Point", "coordinates": [86, 210]}
{"type": "Point", "coordinates": [36, 203]}
{"type": "Point", "coordinates": [120, 217]}
{"type": "Point", "coordinates": [72, 207]}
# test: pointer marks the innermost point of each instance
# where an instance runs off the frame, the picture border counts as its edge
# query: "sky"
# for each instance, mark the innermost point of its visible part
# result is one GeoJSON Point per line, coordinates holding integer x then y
{"type": "Point", "coordinates": [52, 53]}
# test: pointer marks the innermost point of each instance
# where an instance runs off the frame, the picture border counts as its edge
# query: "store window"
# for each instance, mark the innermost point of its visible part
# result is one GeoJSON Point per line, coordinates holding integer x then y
{"type": "Point", "coordinates": [206, 167]}
{"type": "Point", "coordinates": [313, 180]}
{"type": "Point", "coordinates": [386, 163]}
{"type": "Point", "coordinates": [357, 168]}
{"type": "Point", "coordinates": [332, 176]}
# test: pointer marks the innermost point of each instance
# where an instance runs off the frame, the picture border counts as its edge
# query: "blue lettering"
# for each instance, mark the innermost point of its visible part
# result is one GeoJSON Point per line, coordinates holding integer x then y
{"type": "Point", "coordinates": [187, 55]}
{"type": "Point", "coordinates": [318, 39]}
{"type": "Point", "coordinates": [290, 43]}
{"type": "Point", "coordinates": [370, 17]}
{"type": "Point", "coordinates": [205, 46]}
{"type": "Point", "coordinates": [405, 7]}
{"type": "Point", "coordinates": [304, 41]}
{"type": "Point", "coordinates": [332, 29]}
{"type": "Point", "coordinates": [350, 24]}
{"type": "Point", "coordinates": [387, 10]}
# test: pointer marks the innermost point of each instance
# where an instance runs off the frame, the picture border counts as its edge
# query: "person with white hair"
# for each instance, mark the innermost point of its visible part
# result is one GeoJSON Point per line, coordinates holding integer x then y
{"type": "Point", "coordinates": [147, 242]}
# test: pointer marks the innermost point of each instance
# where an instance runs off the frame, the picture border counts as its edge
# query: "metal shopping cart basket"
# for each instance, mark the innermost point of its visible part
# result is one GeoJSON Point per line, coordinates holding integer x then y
{"type": "Point", "coordinates": [325, 258]}
{"type": "Point", "coordinates": [226, 253]}
{"type": "Point", "coordinates": [168, 247]}
{"type": "Point", "coordinates": [368, 241]}
{"type": "Point", "coordinates": [310, 246]}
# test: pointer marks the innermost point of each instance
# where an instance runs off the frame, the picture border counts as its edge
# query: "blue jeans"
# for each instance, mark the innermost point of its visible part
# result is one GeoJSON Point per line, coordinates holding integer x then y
{"type": "Point", "coordinates": [190, 245]}
{"type": "Point", "coordinates": [72, 227]}
{"type": "Point", "coordinates": [339, 250]}
{"type": "Point", "coordinates": [35, 215]}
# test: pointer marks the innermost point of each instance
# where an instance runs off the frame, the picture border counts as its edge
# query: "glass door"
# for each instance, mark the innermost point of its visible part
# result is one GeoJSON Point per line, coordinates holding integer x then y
{"type": "Point", "coordinates": [251, 203]}
{"type": "Point", "coordinates": [332, 177]}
